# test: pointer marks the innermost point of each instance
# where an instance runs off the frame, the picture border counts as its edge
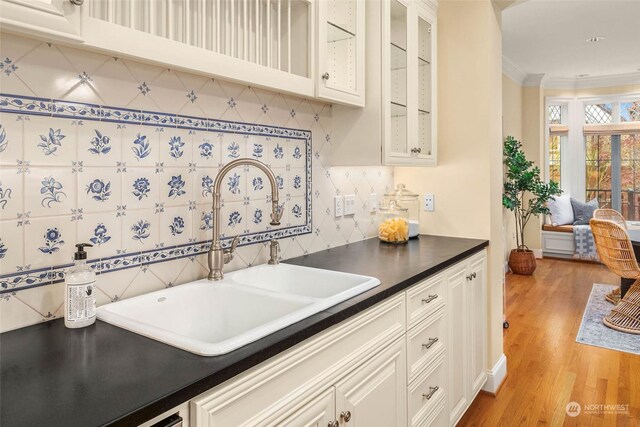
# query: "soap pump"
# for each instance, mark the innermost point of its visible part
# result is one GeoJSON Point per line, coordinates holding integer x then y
{"type": "Point", "coordinates": [80, 300]}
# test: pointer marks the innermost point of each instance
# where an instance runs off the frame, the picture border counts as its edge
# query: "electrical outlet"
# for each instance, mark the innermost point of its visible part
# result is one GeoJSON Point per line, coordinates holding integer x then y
{"type": "Point", "coordinates": [429, 202]}
{"type": "Point", "coordinates": [350, 204]}
{"type": "Point", "coordinates": [338, 206]}
{"type": "Point", "coordinates": [373, 203]}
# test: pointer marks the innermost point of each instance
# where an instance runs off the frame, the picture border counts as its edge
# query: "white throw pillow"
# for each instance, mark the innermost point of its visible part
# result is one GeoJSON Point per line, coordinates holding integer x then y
{"type": "Point", "coordinates": [561, 210]}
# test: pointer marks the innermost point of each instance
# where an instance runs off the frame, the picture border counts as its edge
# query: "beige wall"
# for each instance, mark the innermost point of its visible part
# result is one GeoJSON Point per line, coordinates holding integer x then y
{"type": "Point", "coordinates": [511, 126]}
{"type": "Point", "coordinates": [511, 107]}
{"type": "Point", "coordinates": [532, 144]}
{"type": "Point", "coordinates": [468, 180]}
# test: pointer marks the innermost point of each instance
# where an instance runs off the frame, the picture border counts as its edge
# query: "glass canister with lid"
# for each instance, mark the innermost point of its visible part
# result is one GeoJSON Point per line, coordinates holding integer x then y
{"type": "Point", "coordinates": [410, 200]}
{"type": "Point", "coordinates": [393, 226]}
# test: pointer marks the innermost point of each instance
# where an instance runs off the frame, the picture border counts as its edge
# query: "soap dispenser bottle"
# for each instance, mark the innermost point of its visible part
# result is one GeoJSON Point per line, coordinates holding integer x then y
{"type": "Point", "coordinates": [80, 300]}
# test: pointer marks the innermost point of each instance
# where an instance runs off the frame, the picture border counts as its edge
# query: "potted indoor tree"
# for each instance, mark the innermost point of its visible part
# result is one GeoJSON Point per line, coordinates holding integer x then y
{"type": "Point", "coordinates": [526, 195]}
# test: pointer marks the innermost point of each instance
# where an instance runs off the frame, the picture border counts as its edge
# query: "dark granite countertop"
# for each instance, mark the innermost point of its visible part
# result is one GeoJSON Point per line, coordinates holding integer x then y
{"type": "Point", "coordinates": [104, 375]}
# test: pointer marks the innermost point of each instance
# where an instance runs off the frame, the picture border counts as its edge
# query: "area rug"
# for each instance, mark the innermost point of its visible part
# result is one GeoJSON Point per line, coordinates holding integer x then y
{"type": "Point", "coordinates": [594, 332]}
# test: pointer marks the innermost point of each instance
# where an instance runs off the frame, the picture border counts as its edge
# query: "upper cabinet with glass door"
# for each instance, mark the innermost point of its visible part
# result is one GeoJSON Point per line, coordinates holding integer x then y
{"type": "Point", "coordinates": [410, 138]}
{"type": "Point", "coordinates": [424, 147]}
{"type": "Point", "coordinates": [398, 123]}
{"type": "Point", "coordinates": [411, 116]}
{"type": "Point", "coordinates": [341, 51]}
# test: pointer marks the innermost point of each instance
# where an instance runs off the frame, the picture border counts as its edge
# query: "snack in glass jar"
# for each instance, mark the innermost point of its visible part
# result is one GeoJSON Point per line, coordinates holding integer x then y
{"type": "Point", "coordinates": [394, 230]}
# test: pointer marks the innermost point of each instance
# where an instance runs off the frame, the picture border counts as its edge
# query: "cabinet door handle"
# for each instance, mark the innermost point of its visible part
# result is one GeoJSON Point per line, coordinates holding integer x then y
{"type": "Point", "coordinates": [346, 416]}
{"type": "Point", "coordinates": [432, 391]}
{"type": "Point", "coordinates": [469, 277]}
{"type": "Point", "coordinates": [76, 2]}
{"type": "Point", "coordinates": [333, 423]}
{"type": "Point", "coordinates": [416, 150]}
{"type": "Point", "coordinates": [474, 275]}
{"type": "Point", "coordinates": [325, 76]}
{"type": "Point", "coordinates": [431, 342]}
{"type": "Point", "coordinates": [429, 299]}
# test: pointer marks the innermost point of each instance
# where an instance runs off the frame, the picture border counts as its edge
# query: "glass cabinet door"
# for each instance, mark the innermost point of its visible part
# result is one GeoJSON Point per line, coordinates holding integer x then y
{"type": "Point", "coordinates": [424, 105]}
{"type": "Point", "coordinates": [341, 59]}
{"type": "Point", "coordinates": [398, 78]}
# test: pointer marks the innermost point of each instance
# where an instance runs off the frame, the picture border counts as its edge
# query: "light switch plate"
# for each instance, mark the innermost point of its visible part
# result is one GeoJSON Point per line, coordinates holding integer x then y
{"type": "Point", "coordinates": [350, 204]}
{"type": "Point", "coordinates": [338, 206]}
{"type": "Point", "coordinates": [429, 202]}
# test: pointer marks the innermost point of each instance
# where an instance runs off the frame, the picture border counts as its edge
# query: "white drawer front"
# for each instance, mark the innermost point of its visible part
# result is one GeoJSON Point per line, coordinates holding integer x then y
{"type": "Point", "coordinates": [425, 342]}
{"type": "Point", "coordinates": [425, 298]}
{"type": "Point", "coordinates": [440, 416]}
{"type": "Point", "coordinates": [426, 392]}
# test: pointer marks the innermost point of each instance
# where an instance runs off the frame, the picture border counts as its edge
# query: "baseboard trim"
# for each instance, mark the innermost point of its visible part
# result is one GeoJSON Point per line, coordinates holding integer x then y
{"type": "Point", "coordinates": [496, 376]}
{"type": "Point", "coordinates": [537, 253]}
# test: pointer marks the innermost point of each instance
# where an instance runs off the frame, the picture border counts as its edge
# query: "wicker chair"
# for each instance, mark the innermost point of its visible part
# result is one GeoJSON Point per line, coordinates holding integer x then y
{"type": "Point", "coordinates": [615, 216]}
{"type": "Point", "coordinates": [616, 252]}
{"type": "Point", "coordinates": [611, 215]}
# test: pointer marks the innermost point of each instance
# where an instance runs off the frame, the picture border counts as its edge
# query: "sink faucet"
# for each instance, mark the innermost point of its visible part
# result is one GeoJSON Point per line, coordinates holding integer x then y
{"type": "Point", "coordinates": [218, 257]}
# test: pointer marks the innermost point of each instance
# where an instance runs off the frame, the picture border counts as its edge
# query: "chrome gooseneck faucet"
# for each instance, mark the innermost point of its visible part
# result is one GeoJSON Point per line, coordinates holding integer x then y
{"type": "Point", "coordinates": [218, 257]}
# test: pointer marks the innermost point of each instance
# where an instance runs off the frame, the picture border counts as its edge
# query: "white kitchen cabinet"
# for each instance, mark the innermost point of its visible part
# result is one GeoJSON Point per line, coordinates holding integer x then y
{"type": "Point", "coordinates": [375, 393]}
{"type": "Point", "coordinates": [50, 19]}
{"type": "Point", "coordinates": [398, 124]}
{"type": "Point", "coordinates": [417, 358]}
{"type": "Point", "coordinates": [263, 43]}
{"type": "Point", "coordinates": [341, 51]}
{"type": "Point", "coordinates": [477, 304]}
{"type": "Point", "coordinates": [467, 320]}
{"type": "Point", "coordinates": [319, 412]}
{"type": "Point", "coordinates": [458, 351]}
{"type": "Point", "coordinates": [312, 48]}
{"type": "Point", "coordinates": [363, 360]}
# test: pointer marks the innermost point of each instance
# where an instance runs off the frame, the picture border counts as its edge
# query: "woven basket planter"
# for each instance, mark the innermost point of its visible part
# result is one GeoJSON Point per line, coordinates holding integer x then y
{"type": "Point", "coordinates": [522, 261]}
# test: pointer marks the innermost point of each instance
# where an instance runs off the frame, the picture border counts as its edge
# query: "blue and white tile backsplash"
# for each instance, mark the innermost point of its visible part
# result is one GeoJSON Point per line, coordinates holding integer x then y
{"type": "Point", "coordinates": [123, 155]}
{"type": "Point", "coordinates": [149, 183]}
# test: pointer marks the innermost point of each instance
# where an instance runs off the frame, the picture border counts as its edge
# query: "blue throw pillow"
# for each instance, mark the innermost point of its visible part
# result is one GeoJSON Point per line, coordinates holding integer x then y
{"type": "Point", "coordinates": [583, 212]}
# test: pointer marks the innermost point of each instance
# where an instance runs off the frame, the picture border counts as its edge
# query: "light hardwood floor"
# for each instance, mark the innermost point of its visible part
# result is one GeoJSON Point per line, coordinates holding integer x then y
{"type": "Point", "coordinates": [546, 367]}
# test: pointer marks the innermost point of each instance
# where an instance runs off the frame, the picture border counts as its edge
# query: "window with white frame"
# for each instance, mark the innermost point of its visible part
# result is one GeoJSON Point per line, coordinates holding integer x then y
{"type": "Point", "coordinates": [556, 118]}
{"type": "Point", "coordinates": [600, 154]}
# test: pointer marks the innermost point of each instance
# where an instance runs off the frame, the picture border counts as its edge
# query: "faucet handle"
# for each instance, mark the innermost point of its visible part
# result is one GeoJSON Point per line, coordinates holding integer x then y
{"type": "Point", "coordinates": [276, 214]}
{"type": "Point", "coordinates": [228, 253]}
{"type": "Point", "coordinates": [234, 244]}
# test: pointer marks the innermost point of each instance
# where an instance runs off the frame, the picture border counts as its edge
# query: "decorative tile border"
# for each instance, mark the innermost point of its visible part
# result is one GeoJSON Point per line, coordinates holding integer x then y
{"type": "Point", "coordinates": [24, 105]}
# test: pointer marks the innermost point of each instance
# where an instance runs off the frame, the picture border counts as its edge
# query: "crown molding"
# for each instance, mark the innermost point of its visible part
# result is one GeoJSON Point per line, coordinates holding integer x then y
{"type": "Point", "coordinates": [512, 71]}
{"type": "Point", "coordinates": [534, 80]}
{"type": "Point", "coordinates": [592, 82]}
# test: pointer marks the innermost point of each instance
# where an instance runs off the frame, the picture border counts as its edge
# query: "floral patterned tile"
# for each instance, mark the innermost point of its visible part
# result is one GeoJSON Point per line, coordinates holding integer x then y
{"type": "Point", "coordinates": [53, 191]}
{"type": "Point", "coordinates": [11, 139]}
{"type": "Point", "coordinates": [11, 193]}
{"type": "Point", "coordinates": [51, 241]}
{"type": "Point", "coordinates": [140, 231]}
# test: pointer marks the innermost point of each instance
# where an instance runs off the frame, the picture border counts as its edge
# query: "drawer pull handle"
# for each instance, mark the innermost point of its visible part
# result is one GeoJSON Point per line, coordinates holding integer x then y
{"type": "Point", "coordinates": [429, 299]}
{"type": "Point", "coordinates": [333, 423]}
{"type": "Point", "coordinates": [432, 341]}
{"type": "Point", "coordinates": [346, 416]}
{"type": "Point", "coordinates": [431, 392]}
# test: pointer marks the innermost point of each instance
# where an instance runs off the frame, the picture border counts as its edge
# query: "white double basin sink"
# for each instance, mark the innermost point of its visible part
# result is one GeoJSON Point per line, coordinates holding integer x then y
{"type": "Point", "coordinates": [214, 318]}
